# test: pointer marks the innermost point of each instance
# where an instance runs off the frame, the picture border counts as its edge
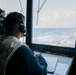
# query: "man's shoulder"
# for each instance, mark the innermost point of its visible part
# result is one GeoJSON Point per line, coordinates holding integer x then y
{"type": "Point", "coordinates": [24, 49]}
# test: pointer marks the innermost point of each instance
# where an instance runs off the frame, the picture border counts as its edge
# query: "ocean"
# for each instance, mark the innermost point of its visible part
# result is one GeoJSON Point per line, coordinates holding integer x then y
{"type": "Point", "coordinates": [54, 36]}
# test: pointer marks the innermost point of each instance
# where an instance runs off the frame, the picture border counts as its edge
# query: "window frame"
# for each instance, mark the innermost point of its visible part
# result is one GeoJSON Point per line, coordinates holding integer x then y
{"type": "Point", "coordinates": [40, 47]}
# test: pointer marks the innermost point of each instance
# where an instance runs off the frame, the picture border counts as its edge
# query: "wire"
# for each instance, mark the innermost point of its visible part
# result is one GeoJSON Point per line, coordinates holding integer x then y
{"type": "Point", "coordinates": [39, 8]}
{"type": "Point", "coordinates": [21, 6]}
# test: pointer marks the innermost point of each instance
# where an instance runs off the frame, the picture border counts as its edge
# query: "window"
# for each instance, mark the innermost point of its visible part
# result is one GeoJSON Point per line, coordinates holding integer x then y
{"type": "Point", "coordinates": [14, 5]}
{"type": "Point", "coordinates": [53, 25]}
{"type": "Point", "coordinates": [54, 22]}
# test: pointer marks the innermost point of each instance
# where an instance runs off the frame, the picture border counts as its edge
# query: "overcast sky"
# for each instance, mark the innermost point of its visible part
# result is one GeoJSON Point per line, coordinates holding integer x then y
{"type": "Point", "coordinates": [56, 13]}
{"type": "Point", "coordinates": [13, 5]}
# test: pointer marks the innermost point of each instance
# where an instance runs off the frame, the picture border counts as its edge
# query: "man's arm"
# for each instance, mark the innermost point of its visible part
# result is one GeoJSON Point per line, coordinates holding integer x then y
{"type": "Point", "coordinates": [24, 62]}
{"type": "Point", "coordinates": [36, 65]}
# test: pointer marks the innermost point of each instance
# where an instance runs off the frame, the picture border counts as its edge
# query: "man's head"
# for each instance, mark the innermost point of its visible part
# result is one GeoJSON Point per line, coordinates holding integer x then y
{"type": "Point", "coordinates": [15, 23]}
{"type": "Point", "coordinates": [2, 14]}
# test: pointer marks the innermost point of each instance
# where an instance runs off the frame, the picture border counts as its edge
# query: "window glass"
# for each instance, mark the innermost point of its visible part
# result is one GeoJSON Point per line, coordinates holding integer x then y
{"type": "Point", "coordinates": [54, 22]}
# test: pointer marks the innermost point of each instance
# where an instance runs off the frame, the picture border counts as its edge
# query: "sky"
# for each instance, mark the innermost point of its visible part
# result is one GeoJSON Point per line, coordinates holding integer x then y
{"type": "Point", "coordinates": [13, 5]}
{"type": "Point", "coordinates": [55, 13]}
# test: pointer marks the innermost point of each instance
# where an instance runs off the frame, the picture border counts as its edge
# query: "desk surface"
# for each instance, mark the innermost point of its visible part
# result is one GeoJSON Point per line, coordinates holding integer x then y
{"type": "Point", "coordinates": [61, 59]}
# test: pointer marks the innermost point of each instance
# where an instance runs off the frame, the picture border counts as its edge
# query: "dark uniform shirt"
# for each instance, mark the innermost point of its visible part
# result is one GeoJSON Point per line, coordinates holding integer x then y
{"type": "Point", "coordinates": [23, 62]}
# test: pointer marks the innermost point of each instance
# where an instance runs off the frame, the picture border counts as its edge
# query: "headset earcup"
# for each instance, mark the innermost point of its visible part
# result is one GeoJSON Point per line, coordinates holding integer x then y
{"type": "Point", "coordinates": [22, 28]}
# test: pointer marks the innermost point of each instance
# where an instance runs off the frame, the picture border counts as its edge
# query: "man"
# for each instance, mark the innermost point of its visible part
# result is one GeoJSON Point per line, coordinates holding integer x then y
{"type": "Point", "coordinates": [15, 57]}
{"type": "Point", "coordinates": [2, 16]}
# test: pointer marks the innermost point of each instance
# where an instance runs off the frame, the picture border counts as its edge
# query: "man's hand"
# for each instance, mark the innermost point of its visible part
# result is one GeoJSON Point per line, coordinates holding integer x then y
{"type": "Point", "coordinates": [38, 55]}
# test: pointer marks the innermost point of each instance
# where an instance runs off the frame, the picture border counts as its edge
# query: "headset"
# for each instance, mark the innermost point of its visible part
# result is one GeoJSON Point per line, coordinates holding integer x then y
{"type": "Point", "coordinates": [22, 26]}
